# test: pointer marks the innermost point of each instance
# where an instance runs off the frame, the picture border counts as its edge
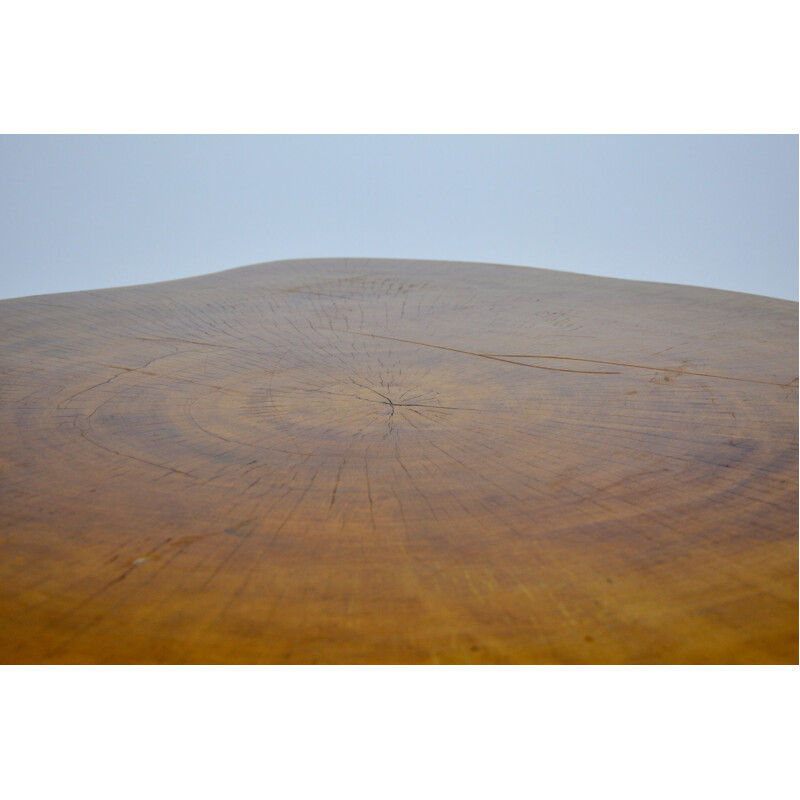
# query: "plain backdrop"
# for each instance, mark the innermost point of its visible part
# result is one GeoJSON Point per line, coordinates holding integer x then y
{"type": "Point", "coordinates": [86, 212]}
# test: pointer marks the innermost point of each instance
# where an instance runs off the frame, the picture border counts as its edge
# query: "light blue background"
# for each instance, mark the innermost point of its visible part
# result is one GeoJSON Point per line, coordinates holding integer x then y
{"type": "Point", "coordinates": [85, 212]}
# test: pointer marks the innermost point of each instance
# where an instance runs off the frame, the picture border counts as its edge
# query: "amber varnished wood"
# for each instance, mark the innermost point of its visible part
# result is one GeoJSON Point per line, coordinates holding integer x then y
{"type": "Point", "coordinates": [369, 461]}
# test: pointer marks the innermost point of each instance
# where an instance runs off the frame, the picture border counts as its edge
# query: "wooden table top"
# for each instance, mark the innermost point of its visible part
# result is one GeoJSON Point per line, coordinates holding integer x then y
{"type": "Point", "coordinates": [377, 461]}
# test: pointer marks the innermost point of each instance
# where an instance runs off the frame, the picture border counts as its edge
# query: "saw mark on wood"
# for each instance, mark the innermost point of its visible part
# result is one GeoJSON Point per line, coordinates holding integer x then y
{"type": "Point", "coordinates": [478, 355]}
{"type": "Point", "coordinates": [507, 359]}
{"type": "Point", "coordinates": [655, 369]}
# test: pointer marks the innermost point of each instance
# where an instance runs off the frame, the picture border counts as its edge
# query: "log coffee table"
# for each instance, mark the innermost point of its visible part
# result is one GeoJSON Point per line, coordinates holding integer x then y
{"type": "Point", "coordinates": [378, 461]}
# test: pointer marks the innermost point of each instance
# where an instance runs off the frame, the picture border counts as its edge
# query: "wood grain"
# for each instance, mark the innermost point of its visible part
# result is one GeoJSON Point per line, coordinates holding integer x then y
{"type": "Point", "coordinates": [370, 461]}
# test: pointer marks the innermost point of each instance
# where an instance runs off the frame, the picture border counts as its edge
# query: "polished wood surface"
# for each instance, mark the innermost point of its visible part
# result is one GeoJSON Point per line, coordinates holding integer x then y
{"type": "Point", "coordinates": [368, 461]}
